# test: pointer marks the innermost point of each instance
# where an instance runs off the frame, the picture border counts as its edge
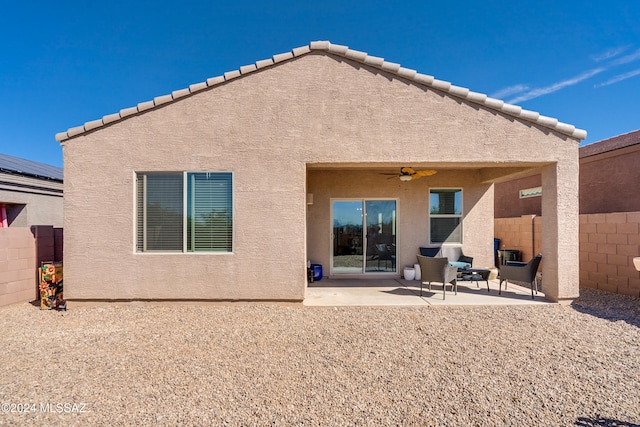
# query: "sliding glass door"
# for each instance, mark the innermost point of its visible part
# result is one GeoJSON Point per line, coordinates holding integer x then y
{"type": "Point", "coordinates": [364, 236]}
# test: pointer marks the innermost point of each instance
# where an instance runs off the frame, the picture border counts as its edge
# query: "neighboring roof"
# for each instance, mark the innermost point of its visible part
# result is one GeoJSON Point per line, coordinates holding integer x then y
{"type": "Point", "coordinates": [350, 54]}
{"type": "Point", "coordinates": [15, 165]}
{"type": "Point", "coordinates": [610, 144]}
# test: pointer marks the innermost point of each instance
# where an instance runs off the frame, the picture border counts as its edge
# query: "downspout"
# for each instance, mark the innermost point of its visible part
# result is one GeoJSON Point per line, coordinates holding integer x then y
{"type": "Point", "coordinates": [533, 236]}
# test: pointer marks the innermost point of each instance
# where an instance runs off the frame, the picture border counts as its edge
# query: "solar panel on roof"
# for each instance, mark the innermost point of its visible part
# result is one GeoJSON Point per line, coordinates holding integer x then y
{"type": "Point", "coordinates": [29, 167]}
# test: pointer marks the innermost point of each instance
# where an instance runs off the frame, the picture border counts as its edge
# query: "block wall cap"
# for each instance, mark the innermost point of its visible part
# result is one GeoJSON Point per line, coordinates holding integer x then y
{"type": "Point", "coordinates": [327, 48]}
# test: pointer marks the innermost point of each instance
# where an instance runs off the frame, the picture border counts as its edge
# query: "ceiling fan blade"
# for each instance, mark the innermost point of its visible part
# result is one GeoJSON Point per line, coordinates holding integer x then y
{"type": "Point", "coordinates": [427, 172]}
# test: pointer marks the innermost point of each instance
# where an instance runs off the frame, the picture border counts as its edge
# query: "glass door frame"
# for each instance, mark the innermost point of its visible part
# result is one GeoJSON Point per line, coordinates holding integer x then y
{"type": "Point", "coordinates": [363, 271]}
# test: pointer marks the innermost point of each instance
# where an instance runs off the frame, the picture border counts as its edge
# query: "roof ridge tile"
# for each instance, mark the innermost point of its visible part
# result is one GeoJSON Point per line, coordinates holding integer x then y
{"type": "Point", "coordinates": [407, 73]}
{"type": "Point", "coordinates": [390, 66]}
{"type": "Point", "coordinates": [320, 45]}
{"type": "Point", "coordinates": [159, 100]}
{"type": "Point", "coordinates": [264, 63]}
{"type": "Point", "coordinates": [338, 48]}
{"type": "Point", "coordinates": [459, 91]}
{"type": "Point", "coordinates": [282, 57]}
{"type": "Point", "coordinates": [111, 118]}
{"type": "Point", "coordinates": [230, 75]}
{"type": "Point", "coordinates": [147, 105]}
{"type": "Point", "coordinates": [299, 51]}
{"type": "Point", "coordinates": [356, 55]}
{"type": "Point", "coordinates": [180, 93]}
{"type": "Point", "coordinates": [246, 69]}
{"type": "Point", "coordinates": [441, 84]}
{"type": "Point", "coordinates": [196, 87]}
{"type": "Point", "coordinates": [128, 111]}
{"type": "Point", "coordinates": [376, 61]}
{"type": "Point", "coordinates": [212, 81]}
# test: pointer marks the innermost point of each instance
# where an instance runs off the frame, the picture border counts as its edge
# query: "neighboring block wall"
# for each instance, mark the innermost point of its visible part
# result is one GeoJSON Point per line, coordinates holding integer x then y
{"type": "Point", "coordinates": [608, 244]}
{"type": "Point", "coordinates": [21, 252]}
{"type": "Point", "coordinates": [17, 266]}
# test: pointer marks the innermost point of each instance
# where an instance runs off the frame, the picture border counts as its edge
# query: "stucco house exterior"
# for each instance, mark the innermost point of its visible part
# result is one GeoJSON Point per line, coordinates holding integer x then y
{"type": "Point", "coordinates": [225, 189]}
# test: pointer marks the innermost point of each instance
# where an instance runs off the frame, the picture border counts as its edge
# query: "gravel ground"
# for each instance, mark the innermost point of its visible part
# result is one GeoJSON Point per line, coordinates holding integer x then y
{"type": "Point", "coordinates": [144, 364]}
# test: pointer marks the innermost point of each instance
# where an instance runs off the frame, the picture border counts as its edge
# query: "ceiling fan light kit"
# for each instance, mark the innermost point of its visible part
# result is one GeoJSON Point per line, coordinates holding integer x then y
{"type": "Point", "coordinates": [405, 178]}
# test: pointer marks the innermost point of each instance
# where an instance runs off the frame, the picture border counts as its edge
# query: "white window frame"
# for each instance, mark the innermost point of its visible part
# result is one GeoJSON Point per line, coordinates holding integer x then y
{"type": "Point", "coordinates": [185, 175]}
{"type": "Point", "coordinates": [435, 216]}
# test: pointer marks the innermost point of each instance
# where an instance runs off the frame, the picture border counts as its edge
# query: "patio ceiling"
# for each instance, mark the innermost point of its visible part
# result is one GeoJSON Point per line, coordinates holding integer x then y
{"type": "Point", "coordinates": [488, 172]}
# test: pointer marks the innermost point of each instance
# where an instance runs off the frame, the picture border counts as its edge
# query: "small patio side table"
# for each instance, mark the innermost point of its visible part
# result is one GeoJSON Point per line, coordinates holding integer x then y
{"type": "Point", "coordinates": [474, 275]}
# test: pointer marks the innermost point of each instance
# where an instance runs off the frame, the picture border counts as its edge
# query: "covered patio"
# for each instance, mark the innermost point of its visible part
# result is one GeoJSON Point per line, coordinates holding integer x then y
{"type": "Point", "coordinates": [401, 292]}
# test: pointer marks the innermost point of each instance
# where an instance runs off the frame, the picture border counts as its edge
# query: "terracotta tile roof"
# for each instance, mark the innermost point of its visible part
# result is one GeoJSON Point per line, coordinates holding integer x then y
{"type": "Point", "coordinates": [350, 54]}
{"type": "Point", "coordinates": [610, 144]}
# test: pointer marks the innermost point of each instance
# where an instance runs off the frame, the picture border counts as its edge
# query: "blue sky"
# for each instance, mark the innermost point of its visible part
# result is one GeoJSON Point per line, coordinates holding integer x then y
{"type": "Point", "coordinates": [66, 63]}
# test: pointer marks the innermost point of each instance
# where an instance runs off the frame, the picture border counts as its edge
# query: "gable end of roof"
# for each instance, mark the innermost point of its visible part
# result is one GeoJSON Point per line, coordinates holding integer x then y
{"type": "Point", "coordinates": [350, 54]}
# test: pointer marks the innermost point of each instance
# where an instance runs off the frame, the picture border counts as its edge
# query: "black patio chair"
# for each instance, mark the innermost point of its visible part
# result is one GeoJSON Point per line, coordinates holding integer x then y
{"type": "Point", "coordinates": [520, 272]}
{"type": "Point", "coordinates": [385, 253]}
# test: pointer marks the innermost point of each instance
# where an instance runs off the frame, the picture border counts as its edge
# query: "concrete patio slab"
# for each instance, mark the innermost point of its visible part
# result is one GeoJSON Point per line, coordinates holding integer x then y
{"type": "Point", "coordinates": [400, 292]}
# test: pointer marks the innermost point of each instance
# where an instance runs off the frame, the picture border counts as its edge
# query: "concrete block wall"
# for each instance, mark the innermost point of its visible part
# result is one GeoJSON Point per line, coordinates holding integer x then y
{"type": "Point", "coordinates": [17, 266]}
{"type": "Point", "coordinates": [608, 244]}
{"type": "Point", "coordinates": [45, 244]}
{"type": "Point", "coordinates": [522, 233]}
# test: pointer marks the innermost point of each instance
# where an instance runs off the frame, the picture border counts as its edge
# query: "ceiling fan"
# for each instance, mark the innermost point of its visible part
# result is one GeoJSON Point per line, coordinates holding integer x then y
{"type": "Point", "coordinates": [408, 174]}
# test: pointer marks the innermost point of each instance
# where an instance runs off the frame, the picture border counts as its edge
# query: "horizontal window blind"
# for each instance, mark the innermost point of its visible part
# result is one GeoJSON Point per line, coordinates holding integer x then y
{"type": "Point", "coordinates": [209, 222]}
{"type": "Point", "coordinates": [164, 212]}
{"type": "Point", "coordinates": [446, 230]}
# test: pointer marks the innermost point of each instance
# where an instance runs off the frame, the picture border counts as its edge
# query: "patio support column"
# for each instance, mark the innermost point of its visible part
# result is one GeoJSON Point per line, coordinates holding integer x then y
{"type": "Point", "coordinates": [560, 229]}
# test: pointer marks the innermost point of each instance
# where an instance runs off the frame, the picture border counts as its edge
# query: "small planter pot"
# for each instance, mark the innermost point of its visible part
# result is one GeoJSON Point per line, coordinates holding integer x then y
{"type": "Point", "coordinates": [409, 273]}
{"type": "Point", "coordinates": [416, 267]}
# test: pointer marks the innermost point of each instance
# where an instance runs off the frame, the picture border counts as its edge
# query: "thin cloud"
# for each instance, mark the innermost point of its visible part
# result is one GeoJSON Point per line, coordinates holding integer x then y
{"type": "Point", "coordinates": [611, 53]}
{"type": "Point", "coordinates": [556, 86]}
{"type": "Point", "coordinates": [627, 58]}
{"type": "Point", "coordinates": [619, 78]}
{"type": "Point", "coordinates": [508, 91]}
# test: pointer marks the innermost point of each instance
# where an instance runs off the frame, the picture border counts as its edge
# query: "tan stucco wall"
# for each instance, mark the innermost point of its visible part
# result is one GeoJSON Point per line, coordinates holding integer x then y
{"type": "Point", "coordinates": [266, 128]}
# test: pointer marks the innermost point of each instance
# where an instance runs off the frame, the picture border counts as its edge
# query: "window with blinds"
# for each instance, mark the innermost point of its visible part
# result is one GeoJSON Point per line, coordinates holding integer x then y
{"type": "Point", "coordinates": [445, 215]}
{"type": "Point", "coordinates": [184, 212]}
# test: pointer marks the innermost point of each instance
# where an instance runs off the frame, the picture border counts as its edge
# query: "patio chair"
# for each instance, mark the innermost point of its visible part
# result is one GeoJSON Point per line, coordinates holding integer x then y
{"type": "Point", "coordinates": [385, 253]}
{"type": "Point", "coordinates": [438, 270]}
{"type": "Point", "coordinates": [520, 272]}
